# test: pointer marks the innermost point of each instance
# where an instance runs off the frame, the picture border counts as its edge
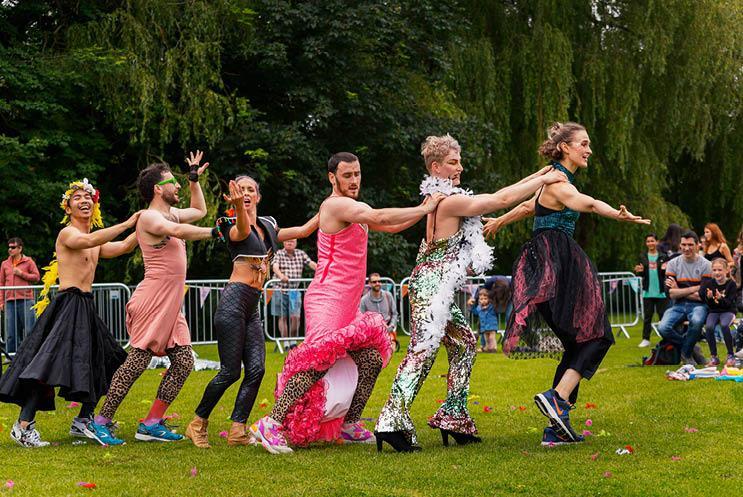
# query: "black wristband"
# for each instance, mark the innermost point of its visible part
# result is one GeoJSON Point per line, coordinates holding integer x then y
{"type": "Point", "coordinates": [193, 176]}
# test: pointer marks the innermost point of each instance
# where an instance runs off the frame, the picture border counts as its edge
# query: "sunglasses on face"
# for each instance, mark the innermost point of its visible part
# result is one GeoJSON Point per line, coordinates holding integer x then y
{"type": "Point", "coordinates": [168, 181]}
{"type": "Point", "coordinates": [12, 247]}
{"type": "Point", "coordinates": [374, 282]}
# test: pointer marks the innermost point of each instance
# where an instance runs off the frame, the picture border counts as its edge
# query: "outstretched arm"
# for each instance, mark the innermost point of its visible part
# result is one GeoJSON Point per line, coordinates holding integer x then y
{"type": "Point", "coordinates": [396, 228]}
{"type": "Point", "coordinates": [236, 199]}
{"type": "Point", "coordinates": [569, 196]}
{"type": "Point", "coordinates": [114, 249]}
{"type": "Point", "coordinates": [155, 224]}
{"type": "Point", "coordinates": [74, 239]}
{"type": "Point", "coordinates": [303, 231]}
{"type": "Point", "coordinates": [350, 211]}
{"type": "Point", "coordinates": [461, 205]}
{"type": "Point", "coordinates": [197, 209]}
{"type": "Point", "coordinates": [521, 211]}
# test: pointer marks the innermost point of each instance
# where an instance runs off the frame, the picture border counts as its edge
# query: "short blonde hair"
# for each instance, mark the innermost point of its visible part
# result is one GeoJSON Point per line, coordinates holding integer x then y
{"type": "Point", "coordinates": [436, 148]}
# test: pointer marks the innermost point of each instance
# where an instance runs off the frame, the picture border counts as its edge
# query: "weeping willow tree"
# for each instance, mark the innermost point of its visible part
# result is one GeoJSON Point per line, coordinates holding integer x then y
{"type": "Point", "coordinates": [657, 84]}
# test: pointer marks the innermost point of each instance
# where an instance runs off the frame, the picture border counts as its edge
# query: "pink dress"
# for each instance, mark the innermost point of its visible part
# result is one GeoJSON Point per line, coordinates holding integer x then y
{"type": "Point", "coordinates": [153, 315]}
{"type": "Point", "coordinates": [334, 326]}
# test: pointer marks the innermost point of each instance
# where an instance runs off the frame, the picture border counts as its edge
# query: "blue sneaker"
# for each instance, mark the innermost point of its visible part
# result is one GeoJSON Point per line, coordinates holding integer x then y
{"type": "Point", "coordinates": [558, 412]}
{"type": "Point", "coordinates": [101, 434]}
{"type": "Point", "coordinates": [551, 438]}
{"type": "Point", "coordinates": [156, 433]}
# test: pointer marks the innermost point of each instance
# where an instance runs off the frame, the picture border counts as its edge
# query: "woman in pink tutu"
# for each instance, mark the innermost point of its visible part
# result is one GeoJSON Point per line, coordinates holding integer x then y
{"type": "Point", "coordinates": [327, 380]}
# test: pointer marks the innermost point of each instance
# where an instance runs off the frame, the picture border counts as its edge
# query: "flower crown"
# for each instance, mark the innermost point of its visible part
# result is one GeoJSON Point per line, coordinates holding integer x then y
{"type": "Point", "coordinates": [96, 219]}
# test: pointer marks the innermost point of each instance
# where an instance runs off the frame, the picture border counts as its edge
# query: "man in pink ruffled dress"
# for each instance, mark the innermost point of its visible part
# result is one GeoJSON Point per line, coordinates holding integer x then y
{"type": "Point", "coordinates": [327, 380]}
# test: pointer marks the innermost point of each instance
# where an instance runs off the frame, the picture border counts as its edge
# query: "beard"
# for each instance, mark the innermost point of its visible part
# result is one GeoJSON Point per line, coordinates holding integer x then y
{"type": "Point", "coordinates": [354, 194]}
{"type": "Point", "coordinates": [170, 198]}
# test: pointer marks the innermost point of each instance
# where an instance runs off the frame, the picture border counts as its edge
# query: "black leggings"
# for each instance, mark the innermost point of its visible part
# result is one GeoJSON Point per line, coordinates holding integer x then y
{"type": "Point", "coordinates": [650, 307]}
{"type": "Point", "coordinates": [31, 406]}
{"type": "Point", "coordinates": [239, 340]}
{"type": "Point", "coordinates": [584, 358]}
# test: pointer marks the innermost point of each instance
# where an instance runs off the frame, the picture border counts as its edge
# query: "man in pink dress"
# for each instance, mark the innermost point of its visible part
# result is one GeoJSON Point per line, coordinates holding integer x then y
{"type": "Point", "coordinates": [154, 320]}
{"type": "Point", "coordinates": [328, 379]}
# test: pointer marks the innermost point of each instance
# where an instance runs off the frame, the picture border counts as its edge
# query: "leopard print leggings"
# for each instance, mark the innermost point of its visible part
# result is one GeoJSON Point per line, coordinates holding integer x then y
{"type": "Point", "coordinates": [369, 364]}
{"type": "Point", "coordinates": [181, 364]}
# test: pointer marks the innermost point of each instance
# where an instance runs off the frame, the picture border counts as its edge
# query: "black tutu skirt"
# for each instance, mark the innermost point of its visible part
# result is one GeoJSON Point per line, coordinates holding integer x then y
{"type": "Point", "coordinates": [71, 348]}
{"type": "Point", "coordinates": [556, 297]}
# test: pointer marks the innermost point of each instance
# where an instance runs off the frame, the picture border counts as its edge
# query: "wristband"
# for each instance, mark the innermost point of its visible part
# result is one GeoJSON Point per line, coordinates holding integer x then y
{"type": "Point", "coordinates": [216, 233]}
{"type": "Point", "coordinates": [193, 176]}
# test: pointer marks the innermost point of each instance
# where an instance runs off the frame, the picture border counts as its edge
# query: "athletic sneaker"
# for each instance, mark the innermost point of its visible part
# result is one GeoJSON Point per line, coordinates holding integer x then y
{"type": "Point", "coordinates": [558, 412]}
{"type": "Point", "coordinates": [730, 361]}
{"type": "Point", "coordinates": [102, 434]}
{"type": "Point", "coordinates": [644, 343]}
{"type": "Point", "coordinates": [551, 438]}
{"type": "Point", "coordinates": [29, 437]}
{"type": "Point", "coordinates": [713, 361]}
{"type": "Point", "coordinates": [356, 433]}
{"type": "Point", "coordinates": [77, 428]}
{"type": "Point", "coordinates": [268, 433]}
{"type": "Point", "coordinates": [159, 432]}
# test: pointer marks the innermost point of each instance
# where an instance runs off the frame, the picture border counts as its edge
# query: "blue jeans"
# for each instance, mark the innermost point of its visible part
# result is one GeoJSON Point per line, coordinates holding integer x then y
{"type": "Point", "coordinates": [19, 320]}
{"type": "Point", "coordinates": [695, 313]}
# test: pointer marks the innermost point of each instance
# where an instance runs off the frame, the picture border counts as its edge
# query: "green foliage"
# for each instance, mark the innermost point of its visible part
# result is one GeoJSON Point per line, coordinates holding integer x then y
{"type": "Point", "coordinates": [272, 88]}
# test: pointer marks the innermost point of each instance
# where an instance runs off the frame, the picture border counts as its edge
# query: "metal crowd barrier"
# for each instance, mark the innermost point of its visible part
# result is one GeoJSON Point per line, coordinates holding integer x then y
{"type": "Point", "coordinates": [199, 304]}
{"type": "Point", "coordinates": [110, 301]}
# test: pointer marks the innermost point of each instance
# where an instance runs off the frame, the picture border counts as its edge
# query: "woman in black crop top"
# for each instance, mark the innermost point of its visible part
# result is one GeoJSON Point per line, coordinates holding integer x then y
{"type": "Point", "coordinates": [553, 276]}
{"type": "Point", "coordinates": [716, 246]}
{"type": "Point", "coordinates": [251, 241]}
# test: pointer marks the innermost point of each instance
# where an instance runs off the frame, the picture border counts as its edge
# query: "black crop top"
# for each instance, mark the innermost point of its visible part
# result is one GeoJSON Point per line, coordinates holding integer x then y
{"type": "Point", "coordinates": [253, 245]}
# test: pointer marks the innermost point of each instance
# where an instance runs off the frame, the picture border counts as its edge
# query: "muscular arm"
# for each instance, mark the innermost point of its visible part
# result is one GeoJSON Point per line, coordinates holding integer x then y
{"type": "Point", "coordinates": [75, 239]}
{"type": "Point", "coordinates": [303, 231]}
{"type": "Point", "coordinates": [155, 224]}
{"type": "Point", "coordinates": [691, 293]}
{"type": "Point", "coordinates": [461, 205]}
{"type": "Point", "coordinates": [197, 209]}
{"type": "Point", "coordinates": [114, 249]}
{"type": "Point", "coordinates": [351, 211]}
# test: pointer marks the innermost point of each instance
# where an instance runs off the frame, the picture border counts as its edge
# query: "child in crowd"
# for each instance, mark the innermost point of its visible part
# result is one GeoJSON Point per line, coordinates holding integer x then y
{"type": "Point", "coordinates": [488, 319]}
{"type": "Point", "coordinates": [719, 294]}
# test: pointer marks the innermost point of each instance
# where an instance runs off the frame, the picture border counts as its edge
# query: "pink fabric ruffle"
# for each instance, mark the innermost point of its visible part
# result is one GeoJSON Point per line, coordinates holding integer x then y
{"type": "Point", "coordinates": [303, 423]}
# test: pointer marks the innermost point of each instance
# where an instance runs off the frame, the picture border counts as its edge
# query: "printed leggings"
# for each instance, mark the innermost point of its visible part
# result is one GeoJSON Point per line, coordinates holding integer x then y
{"type": "Point", "coordinates": [181, 364]}
{"type": "Point", "coordinates": [369, 364]}
{"type": "Point", "coordinates": [239, 340]}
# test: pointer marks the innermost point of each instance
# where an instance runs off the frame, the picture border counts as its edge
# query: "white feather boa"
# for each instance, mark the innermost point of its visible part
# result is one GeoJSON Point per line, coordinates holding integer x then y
{"type": "Point", "coordinates": [474, 254]}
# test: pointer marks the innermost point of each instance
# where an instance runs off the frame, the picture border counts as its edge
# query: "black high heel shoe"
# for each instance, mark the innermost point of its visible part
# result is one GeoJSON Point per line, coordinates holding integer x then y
{"type": "Point", "coordinates": [397, 440]}
{"type": "Point", "coordinates": [460, 438]}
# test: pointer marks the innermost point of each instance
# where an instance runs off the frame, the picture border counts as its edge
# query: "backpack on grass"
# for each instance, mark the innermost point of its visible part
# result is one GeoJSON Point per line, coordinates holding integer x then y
{"type": "Point", "coordinates": [663, 354]}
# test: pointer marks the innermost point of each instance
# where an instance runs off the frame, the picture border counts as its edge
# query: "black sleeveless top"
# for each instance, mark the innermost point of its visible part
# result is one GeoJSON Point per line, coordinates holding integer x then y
{"type": "Point", "coordinates": [253, 245]}
{"type": "Point", "coordinates": [714, 255]}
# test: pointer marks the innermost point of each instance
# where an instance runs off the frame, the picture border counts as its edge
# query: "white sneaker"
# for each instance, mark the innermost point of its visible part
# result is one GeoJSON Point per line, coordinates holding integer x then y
{"type": "Point", "coordinates": [29, 437]}
{"type": "Point", "coordinates": [644, 343]}
{"type": "Point", "coordinates": [77, 428]}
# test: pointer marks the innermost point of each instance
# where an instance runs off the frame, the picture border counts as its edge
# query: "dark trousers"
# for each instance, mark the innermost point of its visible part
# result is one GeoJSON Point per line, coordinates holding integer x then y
{"type": "Point", "coordinates": [652, 306]}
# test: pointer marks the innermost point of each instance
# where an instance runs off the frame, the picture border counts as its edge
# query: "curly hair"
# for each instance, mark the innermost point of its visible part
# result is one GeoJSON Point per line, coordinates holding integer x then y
{"type": "Point", "coordinates": [558, 133]}
{"type": "Point", "coordinates": [436, 148]}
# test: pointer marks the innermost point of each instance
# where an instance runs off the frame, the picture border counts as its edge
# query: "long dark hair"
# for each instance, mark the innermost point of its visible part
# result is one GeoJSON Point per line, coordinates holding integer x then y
{"type": "Point", "coordinates": [672, 238]}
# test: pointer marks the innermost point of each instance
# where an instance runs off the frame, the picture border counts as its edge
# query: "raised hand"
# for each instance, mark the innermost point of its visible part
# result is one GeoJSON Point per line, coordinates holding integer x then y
{"type": "Point", "coordinates": [236, 196]}
{"type": "Point", "coordinates": [431, 202]}
{"type": "Point", "coordinates": [193, 161]}
{"type": "Point", "coordinates": [492, 226]}
{"type": "Point", "coordinates": [625, 215]}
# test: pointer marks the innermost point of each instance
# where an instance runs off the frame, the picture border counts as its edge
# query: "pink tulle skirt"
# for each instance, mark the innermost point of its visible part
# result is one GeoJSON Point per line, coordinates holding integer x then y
{"type": "Point", "coordinates": [306, 420]}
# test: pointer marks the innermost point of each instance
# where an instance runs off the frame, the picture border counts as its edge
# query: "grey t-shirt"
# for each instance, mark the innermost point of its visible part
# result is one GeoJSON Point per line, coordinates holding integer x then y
{"type": "Point", "coordinates": [688, 273]}
{"type": "Point", "coordinates": [384, 305]}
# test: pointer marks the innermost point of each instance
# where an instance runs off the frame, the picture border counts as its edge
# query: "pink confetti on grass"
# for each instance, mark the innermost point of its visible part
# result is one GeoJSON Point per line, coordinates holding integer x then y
{"type": "Point", "coordinates": [691, 430]}
{"type": "Point", "coordinates": [594, 456]}
{"type": "Point", "coordinates": [608, 474]}
{"type": "Point", "coordinates": [587, 433]}
{"type": "Point", "coordinates": [223, 434]}
{"type": "Point", "coordinates": [9, 484]}
{"type": "Point", "coordinates": [194, 472]}
{"type": "Point", "coordinates": [73, 405]}
{"type": "Point", "coordinates": [675, 458]}
{"type": "Point", "coordinates": [589, 423]}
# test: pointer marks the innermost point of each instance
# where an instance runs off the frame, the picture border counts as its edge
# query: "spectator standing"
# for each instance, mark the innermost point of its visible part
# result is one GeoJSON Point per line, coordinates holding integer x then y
{"type": "Point", "coordinates": [288, 264]}
{"type": "Point", "coordinates": [381, 301]}
{"type": "Point", "coordinates": [669, 244]}
{"type": "Point", "coordinates": [17, 270]}
{"type": "Point", "coordinates": [716, 246]}
{"type": "Point", "coordinates": [684, 276]}
{"type": "Point", "coordinates": [488, 319]}
{"type": "Point", "coordinates": [652, 268]}
{"type": "Point", "coordinates": [719, 295]}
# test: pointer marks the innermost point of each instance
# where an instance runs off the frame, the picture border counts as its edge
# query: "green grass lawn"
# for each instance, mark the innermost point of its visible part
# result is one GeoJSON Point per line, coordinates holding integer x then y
{"type": "Point", "coordinates": [634, 406]}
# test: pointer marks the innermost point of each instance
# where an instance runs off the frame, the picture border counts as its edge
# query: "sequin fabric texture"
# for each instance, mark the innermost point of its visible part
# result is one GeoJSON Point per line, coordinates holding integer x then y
{"type": "Point", "coordinates": [433, 262]}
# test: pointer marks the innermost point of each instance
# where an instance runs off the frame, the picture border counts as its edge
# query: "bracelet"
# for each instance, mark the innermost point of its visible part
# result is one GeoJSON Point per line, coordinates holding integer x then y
{"type": "Point", "coordinates": [216, 233]}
